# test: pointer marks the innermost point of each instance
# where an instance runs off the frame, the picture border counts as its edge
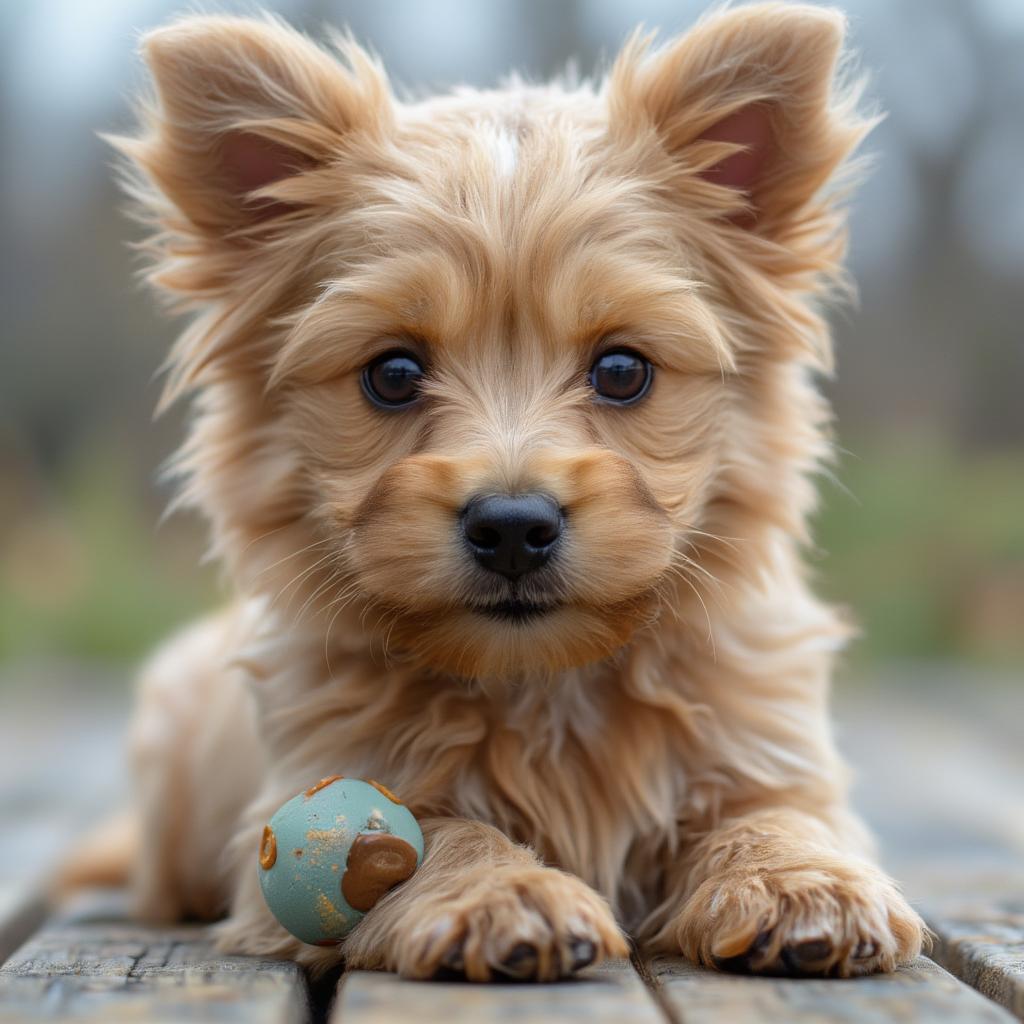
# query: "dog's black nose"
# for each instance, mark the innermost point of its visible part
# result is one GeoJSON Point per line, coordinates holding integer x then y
{"type": "Point", "coordinates": [512, 534]}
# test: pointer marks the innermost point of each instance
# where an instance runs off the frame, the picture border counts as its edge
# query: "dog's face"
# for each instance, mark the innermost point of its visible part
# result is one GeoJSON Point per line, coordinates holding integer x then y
{"type": "Point", "coordinates": [509, 409]}
{"type": "Point", "coordinates": [489, 356]}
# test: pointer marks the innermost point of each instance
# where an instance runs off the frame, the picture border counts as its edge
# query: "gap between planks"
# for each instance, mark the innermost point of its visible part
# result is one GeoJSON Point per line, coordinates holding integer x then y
{"type": "Point", "coordinates": [22, 911]}
{"type": "Point", "coordinates": [984, 947]}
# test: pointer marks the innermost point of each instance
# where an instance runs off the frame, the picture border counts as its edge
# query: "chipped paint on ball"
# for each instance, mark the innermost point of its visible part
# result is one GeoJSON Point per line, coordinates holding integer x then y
{"type": "Point", "coordinates": [306, 891]}
{"type": "Point", "coordinates": [268, 848]}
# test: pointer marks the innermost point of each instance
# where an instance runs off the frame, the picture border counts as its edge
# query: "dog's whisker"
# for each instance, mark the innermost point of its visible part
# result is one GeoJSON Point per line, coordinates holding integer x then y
{"type": "Point", "coordinates": [729, 542]}
{"type": "Point", "coordinates": [299, 577]}
{"type": "Point", "coordinates": [342, 599]}
{"type": "Point", "coordinates": [293, 554]}
{"type": "Point", "coordinates": [683, 566]}
{"type": "Point", "coordinates": [688, 563]}
{"type": "Point", "coordinates": [327, 642]}
{"type": "Point", "coordinates": [679, 573]}
{"type": "Point", "coordinates": [269, 533]}
{"type": "Point", "coordinates": [345, 598]}
{"type": "Point", "coordinates": [332, 578]}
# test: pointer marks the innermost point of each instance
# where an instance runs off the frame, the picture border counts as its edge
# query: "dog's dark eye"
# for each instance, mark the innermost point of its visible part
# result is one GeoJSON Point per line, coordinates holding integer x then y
{"type": "Point", "coordinates": [621, 376]}
{"type": "Point", "coordinates": [392, 380]}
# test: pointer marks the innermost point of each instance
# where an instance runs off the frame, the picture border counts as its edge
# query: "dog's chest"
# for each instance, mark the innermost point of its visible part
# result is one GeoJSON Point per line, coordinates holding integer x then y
{"type": "Point", "coordinates": [585, 777]}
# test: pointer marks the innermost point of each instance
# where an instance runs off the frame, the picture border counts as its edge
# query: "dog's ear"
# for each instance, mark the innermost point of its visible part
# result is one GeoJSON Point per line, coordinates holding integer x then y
{"type": "Point", "coordinates": [241, 106]}
{"type": "Point", "coordinates": [747, 107]}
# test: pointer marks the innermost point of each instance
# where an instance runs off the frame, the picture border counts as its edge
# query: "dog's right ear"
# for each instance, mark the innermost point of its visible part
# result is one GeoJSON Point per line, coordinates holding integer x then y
{"type": "Point", "coordinates": [754, 111]}
{"type": "Point", "coordinates": [243, 109]}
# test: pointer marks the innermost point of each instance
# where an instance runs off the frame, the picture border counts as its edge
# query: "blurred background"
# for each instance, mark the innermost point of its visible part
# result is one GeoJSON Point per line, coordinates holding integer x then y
{"type": "Point", "coordinates": [923, 532]}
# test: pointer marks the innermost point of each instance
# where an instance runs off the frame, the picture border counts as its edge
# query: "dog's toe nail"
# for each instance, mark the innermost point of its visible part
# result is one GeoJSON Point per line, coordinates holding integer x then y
{"type": "Point", "coordinates": [453, 956]}
{"type": "Point", "coordinates": [732, 964]}
{"type": "Point", "coordinates": [809, 957]}
{"type": "Point", "coordinates": [583, 952]}
{"type": "Point", "coordinates": [754, 958]}
{"type": "Point", "coordinates": [521, 961]}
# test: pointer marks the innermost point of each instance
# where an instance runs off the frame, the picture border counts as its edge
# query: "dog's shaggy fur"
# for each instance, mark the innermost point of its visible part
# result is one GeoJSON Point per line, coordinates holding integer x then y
{"type": "Point", "coordinates": [653, 754]}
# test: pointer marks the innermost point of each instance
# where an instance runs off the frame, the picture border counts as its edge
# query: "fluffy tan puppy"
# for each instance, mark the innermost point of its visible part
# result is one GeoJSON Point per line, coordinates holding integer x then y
{"type": "Point", "coordinates": [505, 426]}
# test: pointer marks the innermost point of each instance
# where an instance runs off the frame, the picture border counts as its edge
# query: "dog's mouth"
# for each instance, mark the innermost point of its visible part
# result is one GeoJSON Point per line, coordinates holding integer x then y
{"type": "Point", "coordinates": [515, 610]}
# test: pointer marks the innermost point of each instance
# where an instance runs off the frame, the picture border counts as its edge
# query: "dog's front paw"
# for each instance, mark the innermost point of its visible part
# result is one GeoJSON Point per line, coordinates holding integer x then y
{"type": "Point", "coordinates": [523, 922]}
{"type": "Point", "coordinates": [827, 916]}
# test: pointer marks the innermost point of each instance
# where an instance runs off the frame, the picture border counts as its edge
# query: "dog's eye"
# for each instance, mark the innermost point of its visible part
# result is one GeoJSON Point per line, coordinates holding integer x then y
{"type": "Point", "coordinates": [392, 380]}
{"type": "Point", "coordinates": [621, 376]}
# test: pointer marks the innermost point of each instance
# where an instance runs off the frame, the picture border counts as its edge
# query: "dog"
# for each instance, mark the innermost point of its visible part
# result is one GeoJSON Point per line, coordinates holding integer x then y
{"type": "Point", "coordinates": [506, 426]}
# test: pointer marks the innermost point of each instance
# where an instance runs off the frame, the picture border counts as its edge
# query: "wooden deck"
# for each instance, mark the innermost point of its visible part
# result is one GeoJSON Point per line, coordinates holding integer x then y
{"type": "Point", "coordinates": [941, 778]}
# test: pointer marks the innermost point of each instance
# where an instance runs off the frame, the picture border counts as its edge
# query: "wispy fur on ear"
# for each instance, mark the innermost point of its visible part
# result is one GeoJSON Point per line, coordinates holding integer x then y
{"type": "Point", "coordinates": [748, 105]}
{"type": "Point", "coordinates": [240, 104]}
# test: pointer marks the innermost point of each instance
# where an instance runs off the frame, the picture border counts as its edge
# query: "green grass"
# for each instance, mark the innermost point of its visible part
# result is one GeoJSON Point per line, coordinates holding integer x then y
{"type": "Point", "coordinates": [92, 576]}
{"type": "Point", "coordinates": [927, 547]}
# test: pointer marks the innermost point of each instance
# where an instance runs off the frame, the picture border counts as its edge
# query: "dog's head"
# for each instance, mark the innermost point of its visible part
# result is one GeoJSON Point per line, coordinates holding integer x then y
{"type": "Point", "coordinates": [489, 369]}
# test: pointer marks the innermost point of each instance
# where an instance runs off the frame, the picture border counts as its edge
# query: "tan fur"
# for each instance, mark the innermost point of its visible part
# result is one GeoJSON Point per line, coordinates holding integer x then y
{"type": "Point", "coordinates": [662, 737]}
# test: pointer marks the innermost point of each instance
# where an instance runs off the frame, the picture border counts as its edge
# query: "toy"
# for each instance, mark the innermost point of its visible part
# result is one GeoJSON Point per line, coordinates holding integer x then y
{"type": "Point", "coordinates": [330, 853]}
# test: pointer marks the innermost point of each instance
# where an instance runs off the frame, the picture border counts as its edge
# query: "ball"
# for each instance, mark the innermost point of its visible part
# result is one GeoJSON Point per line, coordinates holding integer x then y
{"type": "Point", "coordinates": [330, 853]}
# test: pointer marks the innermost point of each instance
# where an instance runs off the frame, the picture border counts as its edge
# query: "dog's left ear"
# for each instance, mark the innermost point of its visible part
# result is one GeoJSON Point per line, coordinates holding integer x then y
{"type": "Point", "coordinates": [242, 108]}
{"type": "Point", "coordinates": [745, 106]}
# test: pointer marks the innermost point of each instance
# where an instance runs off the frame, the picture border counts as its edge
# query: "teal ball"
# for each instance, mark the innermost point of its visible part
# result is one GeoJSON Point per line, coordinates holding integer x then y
{"type": "Point", "coordinates": [331, 852]}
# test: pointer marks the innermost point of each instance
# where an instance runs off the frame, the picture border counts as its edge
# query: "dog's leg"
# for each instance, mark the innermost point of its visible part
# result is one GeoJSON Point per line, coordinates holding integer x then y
{"type": "Point", "coordinates": [484, 907]}
{"type": "Point", "coordinates": [772, 891]}
{"type": "Point", "coordinates": [195, 765]}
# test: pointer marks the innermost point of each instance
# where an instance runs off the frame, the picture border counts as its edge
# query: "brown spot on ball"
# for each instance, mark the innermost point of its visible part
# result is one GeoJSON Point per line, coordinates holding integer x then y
{"type": "Point", "coordinates": [376, 863]}
{"type": "Point", "coordinates": [322, 784]}
{"type": "Point", "coordinates": [298, 852]}
{"type": "Point", "coordinates": [268, 848]}
{"type": "Point", "coordinates": [381, 788]}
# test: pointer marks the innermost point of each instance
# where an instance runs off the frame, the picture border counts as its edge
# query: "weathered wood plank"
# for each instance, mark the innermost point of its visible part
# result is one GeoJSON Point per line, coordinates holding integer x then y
{"type": "Point", "coordinates": [47, 800]}
{"type": "Point", "coordinates": [938, 770]}
{"type": "Point", "coordinates": [609, 994]}
{"type": "Point", "coordinates": [985, 948]}
{"type": "Point", "coordinates": [940, 780]}
{"type": "Point", "coordinates": [22, 909]}
{"type": "Point", "coordinates": [922, 992]}
{"type": "Point", "coordinates": [91, 965]}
